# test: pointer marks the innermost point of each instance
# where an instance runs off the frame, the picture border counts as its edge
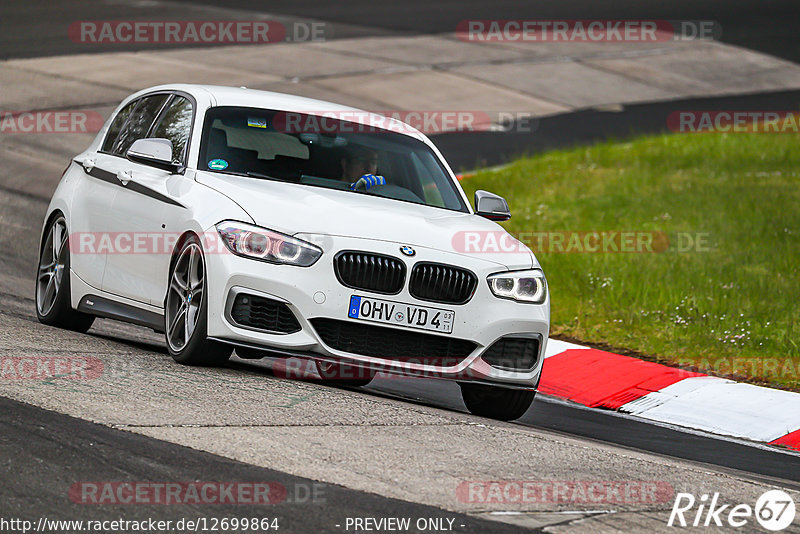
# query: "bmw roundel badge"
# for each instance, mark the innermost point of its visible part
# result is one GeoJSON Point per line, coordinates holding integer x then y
{"type": "Point", "coordinates": [408, 251]}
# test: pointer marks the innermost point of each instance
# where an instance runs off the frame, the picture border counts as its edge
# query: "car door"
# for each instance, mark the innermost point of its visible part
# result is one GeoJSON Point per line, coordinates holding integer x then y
{"type": "Point", "coordinates": [148, 215]}
{"type": "Point", "coordinates": [94, 193]}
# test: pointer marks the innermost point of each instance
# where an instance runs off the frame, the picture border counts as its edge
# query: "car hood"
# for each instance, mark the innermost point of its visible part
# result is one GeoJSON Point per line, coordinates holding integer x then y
{"type": "Point", "coordinates": [300, 209]}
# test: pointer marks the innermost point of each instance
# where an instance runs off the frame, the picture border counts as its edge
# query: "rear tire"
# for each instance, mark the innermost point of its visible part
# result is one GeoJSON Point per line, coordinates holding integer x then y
{"type": "Point", "coordinates": [496, 402]}
{"type": "Point", "coordinates": [53, 294]}
{"type": "Point", "coordinates": [186, 319]}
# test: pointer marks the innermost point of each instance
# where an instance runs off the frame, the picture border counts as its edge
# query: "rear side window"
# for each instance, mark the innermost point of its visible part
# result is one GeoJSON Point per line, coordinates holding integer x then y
{"type": "Point", "coordinates": [139, 123]}
{"type": "Point", "coordinates": [176, 125]}
{"type": "Point", "coordinates": [116, 126]}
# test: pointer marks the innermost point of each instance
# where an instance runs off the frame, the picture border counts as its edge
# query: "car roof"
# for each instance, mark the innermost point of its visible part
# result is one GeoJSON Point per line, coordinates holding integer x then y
{"type": "Point", "coordinates": [244, 97]}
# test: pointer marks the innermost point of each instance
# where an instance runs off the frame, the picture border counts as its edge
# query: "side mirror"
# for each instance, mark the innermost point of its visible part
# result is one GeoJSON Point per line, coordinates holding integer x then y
{"type": "Point", "coordinates": [155, 153]}
{"type": "Point", "coordinates": [491, 206]}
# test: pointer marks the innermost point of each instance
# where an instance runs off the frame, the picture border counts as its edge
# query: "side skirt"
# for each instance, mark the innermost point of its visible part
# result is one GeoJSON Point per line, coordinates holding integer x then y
{"type": "Point", "coordinates": [103, 307]}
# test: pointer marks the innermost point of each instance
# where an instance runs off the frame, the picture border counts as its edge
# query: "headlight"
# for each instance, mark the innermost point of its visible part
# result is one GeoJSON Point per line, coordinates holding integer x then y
{"type": "Point", "coordinates": [267, 245]}
{"type": "Point", "coordinates": [522, 286]}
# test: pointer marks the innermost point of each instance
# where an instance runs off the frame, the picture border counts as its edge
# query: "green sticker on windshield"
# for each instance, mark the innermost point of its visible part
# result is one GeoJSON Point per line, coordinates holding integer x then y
{"type": "Point", "coordinates": [218, 164]}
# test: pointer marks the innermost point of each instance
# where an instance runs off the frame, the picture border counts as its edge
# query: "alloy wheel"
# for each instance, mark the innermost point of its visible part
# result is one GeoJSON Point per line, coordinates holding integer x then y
{"type": "Point", "coordinates": [52, 266]}
{"type": "Point", "coordinates": [185, 296]}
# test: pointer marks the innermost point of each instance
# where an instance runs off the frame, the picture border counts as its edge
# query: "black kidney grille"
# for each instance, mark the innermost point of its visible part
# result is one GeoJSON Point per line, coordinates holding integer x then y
{"type": "Point", "coordinates": [391, 343]}
{"type": "Point", "coordinates": [263, 314]}
{"type": "Point", "coordinates": [371, 272]}
{"type": "Point", "coordinates": [436, 282]}
{"type": "Point", "coordinates": [514, 354]}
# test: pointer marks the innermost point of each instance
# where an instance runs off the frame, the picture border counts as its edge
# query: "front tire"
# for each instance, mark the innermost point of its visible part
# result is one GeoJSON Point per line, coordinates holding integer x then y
{"type": "Point", "coordinates": [186, 310]}
{"type": "Point", "coordinates": [53, 295]}
{"type": "Point", "coordinates": [496, 402]}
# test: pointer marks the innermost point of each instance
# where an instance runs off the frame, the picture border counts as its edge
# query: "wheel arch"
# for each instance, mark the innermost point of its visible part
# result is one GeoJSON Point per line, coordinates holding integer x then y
{"type": "Point", "coordinates": [187, 234]}
{"type": "Point", "coordinates": [51, 216]}
{"type": "Point", "coordinates": [179, 243]}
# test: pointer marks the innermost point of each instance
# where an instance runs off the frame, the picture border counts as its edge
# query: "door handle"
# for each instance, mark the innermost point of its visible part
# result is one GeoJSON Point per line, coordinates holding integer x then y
{"type": "Point", "coordinates": [124, 177]}
{"type": "Point", "coordinates": [89, 164]}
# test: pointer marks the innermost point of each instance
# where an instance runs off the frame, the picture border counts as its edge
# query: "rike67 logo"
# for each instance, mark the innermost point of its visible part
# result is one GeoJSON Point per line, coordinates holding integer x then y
{"type": "Point", "coordinates": [774, 511]}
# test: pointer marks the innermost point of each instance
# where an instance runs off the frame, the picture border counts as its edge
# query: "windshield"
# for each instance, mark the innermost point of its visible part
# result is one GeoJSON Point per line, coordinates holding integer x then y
{"type": "Point", "coordinates": [330, 153]}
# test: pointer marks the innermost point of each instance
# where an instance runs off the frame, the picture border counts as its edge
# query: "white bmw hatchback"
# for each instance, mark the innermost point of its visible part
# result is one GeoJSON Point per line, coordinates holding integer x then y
{"type": "Point", "coordinates": [294, 228]}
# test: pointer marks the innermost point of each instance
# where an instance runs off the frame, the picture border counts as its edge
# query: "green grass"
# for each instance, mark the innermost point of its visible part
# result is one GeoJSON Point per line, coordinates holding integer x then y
{"type": "Point", "coordinates": [731, 310]}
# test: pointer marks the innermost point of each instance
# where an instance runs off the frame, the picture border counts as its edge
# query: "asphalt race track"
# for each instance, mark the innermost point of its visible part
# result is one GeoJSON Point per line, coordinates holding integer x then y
{"type": "Point", "coordinates": [552, 415]}
{"type": "Point", "coordinates": [34, 28]}
{"type": "Point", "coordinates": [145, 392]}
{"type": "Point", "coordinates": [396, 448]}
{"type": "Point", "coordinates": [479, 149]}
{"type": "Point", "coordinates": [117, 454]}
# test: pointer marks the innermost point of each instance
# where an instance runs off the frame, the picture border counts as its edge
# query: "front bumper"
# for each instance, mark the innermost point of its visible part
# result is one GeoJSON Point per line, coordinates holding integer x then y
{"type": "Point", "coordinates": [315, 292]}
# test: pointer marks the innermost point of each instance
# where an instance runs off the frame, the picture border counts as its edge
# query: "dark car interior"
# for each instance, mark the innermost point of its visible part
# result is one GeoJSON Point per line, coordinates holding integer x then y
{"type": "Point", "coordinates": [239, 144]}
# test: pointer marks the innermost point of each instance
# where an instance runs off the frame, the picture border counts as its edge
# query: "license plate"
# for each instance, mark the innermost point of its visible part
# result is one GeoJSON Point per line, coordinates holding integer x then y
{"type": "Point", "coordinates": [400, 314]}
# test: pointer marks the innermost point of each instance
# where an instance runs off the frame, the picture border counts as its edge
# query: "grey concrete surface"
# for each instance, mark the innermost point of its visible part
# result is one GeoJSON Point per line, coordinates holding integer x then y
{"type": "Point", "coordinates": [38, 27]}
{"type": "Point", "coordinates": [427, 463]}
{"type": "Point", "coordinates": [569, 83]}
{"type": "Point", "coordinates": [283, 61]}
{"type": "Point", "coordinates": [359, 440]}
{"type": "Point", "coordinates": [58, 453]}
{"type": "Point", "coordinates": [415, 73]}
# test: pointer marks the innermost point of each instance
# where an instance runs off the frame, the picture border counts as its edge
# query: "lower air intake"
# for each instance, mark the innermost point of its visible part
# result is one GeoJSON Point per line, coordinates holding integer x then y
{"type": "Point", "coordinates": [259, 313]}
{"type": "Point", "coordinates": [513, 354]}
{"type": "Point", "coordinates": [391, 343]}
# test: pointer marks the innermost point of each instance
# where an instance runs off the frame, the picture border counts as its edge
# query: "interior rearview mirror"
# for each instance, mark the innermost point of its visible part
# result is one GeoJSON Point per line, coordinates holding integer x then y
{"type": "Point", "coordinates": [491, 206]}
{"type": "Point", "coordinates": [153, 152]}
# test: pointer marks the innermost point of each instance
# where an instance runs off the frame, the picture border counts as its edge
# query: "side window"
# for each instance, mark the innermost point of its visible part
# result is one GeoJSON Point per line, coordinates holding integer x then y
{"type": "Point", "coordinates": [116, 126]}
{"type": "Point", "coordinates": [176, 125]}
{"type": "Point", "coordinates": [139, 122]}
